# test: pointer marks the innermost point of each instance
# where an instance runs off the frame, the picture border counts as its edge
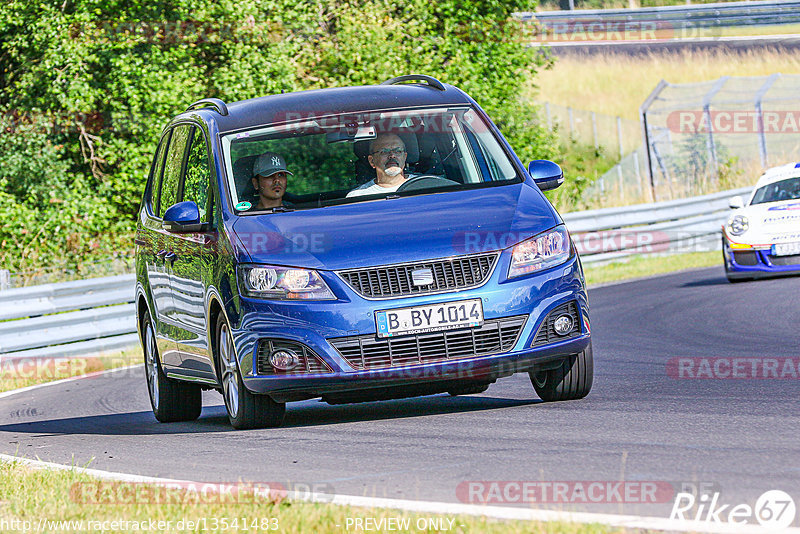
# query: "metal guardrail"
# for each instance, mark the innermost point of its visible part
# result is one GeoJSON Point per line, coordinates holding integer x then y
{"type": "Point", "coordinates": [691, 224]}
{"type": "Point", "coordinates": [68, 319]}
{"type": "Point", "coordinates": [89, 316]}
{"type": "Point", "coordinates": [684, 16]}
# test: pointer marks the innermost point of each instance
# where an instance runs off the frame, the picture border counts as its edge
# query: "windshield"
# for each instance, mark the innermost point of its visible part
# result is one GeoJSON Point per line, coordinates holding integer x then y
{"type": "Point", "coordinates": [783, 190]}
{"type": "Point", "coordinates": [353, 158]}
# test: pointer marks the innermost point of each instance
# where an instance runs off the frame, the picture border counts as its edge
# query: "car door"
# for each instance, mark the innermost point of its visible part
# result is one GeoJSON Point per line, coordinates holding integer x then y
{"type": "Point", "coordinates": [166, 328]}
{"type": "Point", "coordinates": [150, 239]}
{"type": "Point", "coordinates": [192, 257]}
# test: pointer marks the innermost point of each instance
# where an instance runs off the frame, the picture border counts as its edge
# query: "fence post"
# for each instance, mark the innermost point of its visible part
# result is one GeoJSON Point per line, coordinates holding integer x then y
{"type": "Point", "coordinates": [646, 132]}
{"type": "Point", "coordinates": [5, 279]}
{"type": "Point", "coordinates": [619, 137]}
{"type": "Point", "coordinates": [762, 139]}
{"type": "Point", "coordinates": [638, 172]}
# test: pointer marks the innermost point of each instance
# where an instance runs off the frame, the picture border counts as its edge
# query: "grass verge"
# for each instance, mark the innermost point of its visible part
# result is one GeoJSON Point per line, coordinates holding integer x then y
{"type": "Point", "coordinates": [32, 495]}
{"type": "Point", "coordinates": [643, 265]}
{"type": "Point", "coordinates": [20, 374]}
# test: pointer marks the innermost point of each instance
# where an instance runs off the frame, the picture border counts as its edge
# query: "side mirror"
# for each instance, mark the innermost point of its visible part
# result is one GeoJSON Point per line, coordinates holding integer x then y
{"type": "Point", "coordinates": [183, 217]}
{"type": "Point", "coordinates": [546, 174]}
{"type": "Point", "coordinates": [736, 202]}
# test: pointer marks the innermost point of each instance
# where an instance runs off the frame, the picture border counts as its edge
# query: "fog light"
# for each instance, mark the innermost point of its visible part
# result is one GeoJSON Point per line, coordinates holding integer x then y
{"type": "Point", "coordinates": [563, 325]}
{"type": "Point", "coordinates": [284, 360]}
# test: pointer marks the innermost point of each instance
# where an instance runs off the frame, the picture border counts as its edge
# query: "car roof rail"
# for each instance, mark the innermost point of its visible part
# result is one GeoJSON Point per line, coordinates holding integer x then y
{"type": "Point", "coordinates": [431, 81]}
{"type": "Point", "coordinates": [215, 103]}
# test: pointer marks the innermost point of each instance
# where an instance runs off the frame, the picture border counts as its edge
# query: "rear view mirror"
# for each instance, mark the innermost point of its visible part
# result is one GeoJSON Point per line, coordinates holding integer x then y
{"type": "Point", "coordinates": [546, 174]}
{"type": "Point", "coordinates": [736, 203]}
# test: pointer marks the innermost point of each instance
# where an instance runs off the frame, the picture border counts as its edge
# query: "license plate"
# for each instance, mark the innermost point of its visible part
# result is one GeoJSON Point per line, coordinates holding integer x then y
{"type": "Point", "coordinates": [786, 249]}
{"type": "Point", "coordinates": [430, 318]}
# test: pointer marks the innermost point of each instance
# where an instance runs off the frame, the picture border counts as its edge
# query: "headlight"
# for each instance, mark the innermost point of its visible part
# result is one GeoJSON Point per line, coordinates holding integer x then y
{"type": "Point", "coordinates": [738, 224]}
{"type": "Point", "coordinates": [285, 283]}
{"type": "Point", "coordinates": [541, 252]}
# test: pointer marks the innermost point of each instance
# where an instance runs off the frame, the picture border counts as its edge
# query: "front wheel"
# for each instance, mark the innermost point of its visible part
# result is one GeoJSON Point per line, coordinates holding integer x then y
{"type": "Point", "coordinates": [171, 400]}
{"type": "Point", "coordinates": [245, 410]}
{"type": "Point", "coordinates": [572, 379]}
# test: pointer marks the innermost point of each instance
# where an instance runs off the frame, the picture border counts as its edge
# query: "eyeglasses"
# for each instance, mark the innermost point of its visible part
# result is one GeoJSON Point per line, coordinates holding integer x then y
{"type": "Point", "coordinates": [389, 151]}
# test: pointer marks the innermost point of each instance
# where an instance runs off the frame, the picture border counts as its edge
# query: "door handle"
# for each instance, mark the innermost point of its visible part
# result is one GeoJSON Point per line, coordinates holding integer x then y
{"type": "Point", "coordinates": [171, 257]}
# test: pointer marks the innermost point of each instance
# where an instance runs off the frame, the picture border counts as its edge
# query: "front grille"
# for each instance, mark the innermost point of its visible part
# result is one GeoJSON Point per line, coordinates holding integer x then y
{"type": "Point", "coordinates": [547, 332]}
{"type": "Point", "coordinates": [395, 280]}
{"type": "Point", "coordinates": [785, 260]}
{"type": "Point", "coordinates": [745, 258]}
{"type": "Point", "coordinates": [309, 361]}
{"type": "Point", "coordinates": [369, 352]}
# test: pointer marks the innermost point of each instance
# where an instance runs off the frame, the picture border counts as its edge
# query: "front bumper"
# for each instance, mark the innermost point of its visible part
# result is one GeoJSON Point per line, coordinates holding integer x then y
{"type": "Point", "coordinates": [757, 263]}
{"type": "Point", "coordinates": [317, 324]}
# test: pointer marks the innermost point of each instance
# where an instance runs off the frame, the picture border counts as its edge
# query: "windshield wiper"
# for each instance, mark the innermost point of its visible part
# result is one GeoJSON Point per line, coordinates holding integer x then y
{"type": "Point", "coordinates": [281, 209]}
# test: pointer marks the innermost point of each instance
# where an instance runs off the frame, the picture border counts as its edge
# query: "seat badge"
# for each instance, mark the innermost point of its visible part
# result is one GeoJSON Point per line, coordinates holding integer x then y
{"type": "Point", "coordinates": [422, 277]}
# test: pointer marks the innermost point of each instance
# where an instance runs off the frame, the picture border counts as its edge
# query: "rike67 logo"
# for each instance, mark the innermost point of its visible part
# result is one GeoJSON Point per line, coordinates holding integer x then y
{"type": "Point", "coordinates": [774, 510]}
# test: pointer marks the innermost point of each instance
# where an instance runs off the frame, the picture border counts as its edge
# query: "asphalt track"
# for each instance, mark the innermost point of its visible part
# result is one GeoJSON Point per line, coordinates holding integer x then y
{"type": "Point", "coordinates": [736, 436]}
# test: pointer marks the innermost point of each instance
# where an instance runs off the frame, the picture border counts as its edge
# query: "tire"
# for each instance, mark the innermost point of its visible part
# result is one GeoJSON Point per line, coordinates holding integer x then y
{"type": "Point", "coordinates": [245, 410]}
{"type": "Point", "coordinates": [468, 389]}
{"type": "Point", "coordinates": [172, 400]}
{"type": "Point", "coordinates": [569, 381]}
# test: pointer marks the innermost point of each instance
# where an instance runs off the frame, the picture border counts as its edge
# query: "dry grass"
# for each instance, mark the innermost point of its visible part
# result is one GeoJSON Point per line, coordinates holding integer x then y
{"type": "Point", "coordinates": [617, 84]}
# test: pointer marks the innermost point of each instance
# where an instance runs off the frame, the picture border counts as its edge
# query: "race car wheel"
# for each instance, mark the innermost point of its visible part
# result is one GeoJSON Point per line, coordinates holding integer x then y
{"type": "Point", "coordinates": [171, 400]}
{"type": "Point", "coordinates": [245, 409]}
{"type": "Point", "coordinates": [572, 379]}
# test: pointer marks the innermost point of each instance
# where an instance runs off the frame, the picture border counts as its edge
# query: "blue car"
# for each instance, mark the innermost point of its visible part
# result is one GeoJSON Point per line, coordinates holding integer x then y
{"type": "Point", "coordinates": [351, 244]}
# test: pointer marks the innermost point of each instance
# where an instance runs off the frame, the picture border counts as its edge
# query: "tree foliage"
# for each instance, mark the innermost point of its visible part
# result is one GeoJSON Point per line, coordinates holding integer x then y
{"type": "Point", "coordinates": [86, 86]}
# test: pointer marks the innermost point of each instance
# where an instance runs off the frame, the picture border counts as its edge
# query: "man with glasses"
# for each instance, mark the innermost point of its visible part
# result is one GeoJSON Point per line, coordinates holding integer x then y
{"type": "Point", "coordinates": [387, 155]}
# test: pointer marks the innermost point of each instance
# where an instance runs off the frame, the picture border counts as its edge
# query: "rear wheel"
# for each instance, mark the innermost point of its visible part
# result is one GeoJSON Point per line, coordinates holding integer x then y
{"type": "Point", "coordinates": [570, 380]}
{"type": "Point", "coordinates": [245, 410]}
{"type": "Point", "coordinates": [171, 400]}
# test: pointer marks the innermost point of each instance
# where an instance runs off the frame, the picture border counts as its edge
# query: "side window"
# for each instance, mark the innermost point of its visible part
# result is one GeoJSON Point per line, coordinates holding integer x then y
{"type": "Point", "coordinates": [173, 167]}
{"type": "Point", "coordinates": [155, 175]}
{"type": "Point", "coordinates": [195, 186]}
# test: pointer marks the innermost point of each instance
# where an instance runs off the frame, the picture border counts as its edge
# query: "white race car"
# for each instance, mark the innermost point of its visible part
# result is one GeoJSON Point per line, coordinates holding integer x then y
{"type": "Point", "coordinates": [762, 237]}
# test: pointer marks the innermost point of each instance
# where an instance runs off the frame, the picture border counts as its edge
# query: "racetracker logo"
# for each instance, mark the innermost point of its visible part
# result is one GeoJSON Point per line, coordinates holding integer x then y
{"type": "Point", "coordinates": [571, 491]}
{"type": "Point", "coordinates": [734, 122]}
{"type": "Point", "coordinates": [48, 368]}
{"type": "Point", "coordinates": [591, 31]}
{"type": "Point", "coordinates": [115, 493]}
{"type": "Point", "coordinates": [734, 368]}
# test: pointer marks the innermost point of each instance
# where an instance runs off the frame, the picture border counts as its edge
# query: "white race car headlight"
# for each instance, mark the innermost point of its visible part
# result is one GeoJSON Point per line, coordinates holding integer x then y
{"type": "Point", "coordinates": [737, 225]}
{"type": "Point", "coordinates": [540, 252]}
{"type": "Point", "coordinates": [284, 283]}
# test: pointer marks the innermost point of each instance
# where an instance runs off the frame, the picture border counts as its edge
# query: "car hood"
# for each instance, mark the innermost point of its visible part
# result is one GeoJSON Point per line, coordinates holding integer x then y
{"type": "Point", "coordinates": [397, 230]}
{"type": "Point", "coordinates": [773, 222]}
